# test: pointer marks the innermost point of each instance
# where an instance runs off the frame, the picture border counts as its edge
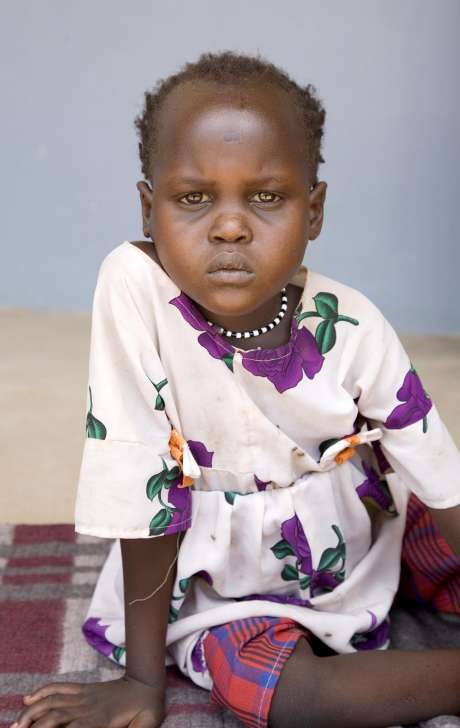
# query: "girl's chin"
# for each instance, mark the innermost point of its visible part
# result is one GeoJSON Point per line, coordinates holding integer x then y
{"type": "Point", "coordinates": [228, 304]}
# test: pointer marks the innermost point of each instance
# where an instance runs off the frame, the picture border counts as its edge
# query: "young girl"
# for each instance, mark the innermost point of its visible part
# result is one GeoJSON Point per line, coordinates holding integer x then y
{"type": "Point", "coordinates": [258, 441]}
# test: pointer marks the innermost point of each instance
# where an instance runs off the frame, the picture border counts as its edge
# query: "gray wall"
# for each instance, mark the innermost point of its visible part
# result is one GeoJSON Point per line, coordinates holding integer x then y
{"type": "Point", "coordinates": [73, 74]}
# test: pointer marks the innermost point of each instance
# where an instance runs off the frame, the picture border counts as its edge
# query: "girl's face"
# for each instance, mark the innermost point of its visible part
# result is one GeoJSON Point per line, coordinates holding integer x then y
{"type": "Point", "coordinates": [231, 184]}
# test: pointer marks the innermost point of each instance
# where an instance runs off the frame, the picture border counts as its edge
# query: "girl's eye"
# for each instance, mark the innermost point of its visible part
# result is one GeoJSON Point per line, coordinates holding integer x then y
{"type": "Point", "coordinates": [195, 198]}
{"type": "Point", "coordinates": [265, 195]}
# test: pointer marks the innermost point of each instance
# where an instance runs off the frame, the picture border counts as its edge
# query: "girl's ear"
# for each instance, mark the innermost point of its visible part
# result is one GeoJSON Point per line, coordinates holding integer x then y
{"type": "Point", "coordinates": [145, 194]}
{"type": "Point", "coordinates": [316, 208]}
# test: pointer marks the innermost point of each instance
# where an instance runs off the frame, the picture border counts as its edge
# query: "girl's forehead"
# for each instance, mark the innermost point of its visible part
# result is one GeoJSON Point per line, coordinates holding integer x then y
{"type": "Point", "coordinates": [251, 124]}
{"type": "Point", "coordinates": [189, 103]}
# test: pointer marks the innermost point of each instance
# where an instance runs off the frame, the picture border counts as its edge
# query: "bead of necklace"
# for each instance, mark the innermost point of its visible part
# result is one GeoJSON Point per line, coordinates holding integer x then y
{"type": "Point", "coordinates": [263, 329]}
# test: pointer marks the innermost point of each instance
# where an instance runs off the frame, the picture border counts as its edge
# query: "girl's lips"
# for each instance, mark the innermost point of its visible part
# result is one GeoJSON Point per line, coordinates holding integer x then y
{"type": "Point", "coordinates": [235, 277]}
{"type": "Point", "coordinates": [229, 261]}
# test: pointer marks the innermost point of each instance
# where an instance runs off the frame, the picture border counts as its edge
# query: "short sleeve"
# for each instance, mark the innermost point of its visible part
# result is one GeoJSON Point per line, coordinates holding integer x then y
{"type": "Point", "coordinates": [391, 396]}
{"type": "Point", "coordinates": [129, 483]}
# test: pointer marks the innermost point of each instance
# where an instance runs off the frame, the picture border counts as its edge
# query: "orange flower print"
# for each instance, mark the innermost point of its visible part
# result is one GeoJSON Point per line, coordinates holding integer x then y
{"type": "Point", "coordinates": [348, 453]}
{"type": "Point", "coordinates": [176, 448]}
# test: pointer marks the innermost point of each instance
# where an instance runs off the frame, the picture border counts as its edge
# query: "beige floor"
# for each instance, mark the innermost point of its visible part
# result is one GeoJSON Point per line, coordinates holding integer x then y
{"type": "Point", "coordinates": [43, 373]}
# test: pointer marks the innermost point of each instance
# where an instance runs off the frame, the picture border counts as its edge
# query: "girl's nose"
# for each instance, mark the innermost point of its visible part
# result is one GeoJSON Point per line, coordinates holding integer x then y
{"type": "Point", "coordinates": [230, 229]}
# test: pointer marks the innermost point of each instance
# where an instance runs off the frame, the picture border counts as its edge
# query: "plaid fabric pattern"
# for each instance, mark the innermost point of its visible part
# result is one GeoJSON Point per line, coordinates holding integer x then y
{"type": "Point", "coordinates": [245, 659]}
{"type": "Point", "coordinates": [430, 571]}
{"type": "Point", "coordinates": [47, 577]}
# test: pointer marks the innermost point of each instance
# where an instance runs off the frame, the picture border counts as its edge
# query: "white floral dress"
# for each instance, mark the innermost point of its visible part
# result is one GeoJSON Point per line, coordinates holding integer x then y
{"type": "Point", "coordinates": [289, 469]}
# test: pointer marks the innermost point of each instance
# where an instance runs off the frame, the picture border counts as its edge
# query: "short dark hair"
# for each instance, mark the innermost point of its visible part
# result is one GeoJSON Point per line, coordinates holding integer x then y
{"type": "Point", "coordinates": [229, 67]}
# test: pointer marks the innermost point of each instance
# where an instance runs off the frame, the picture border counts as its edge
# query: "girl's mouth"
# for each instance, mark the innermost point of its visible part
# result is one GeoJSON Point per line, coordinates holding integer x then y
{"type": "Point", "coordinates": [232, 276]}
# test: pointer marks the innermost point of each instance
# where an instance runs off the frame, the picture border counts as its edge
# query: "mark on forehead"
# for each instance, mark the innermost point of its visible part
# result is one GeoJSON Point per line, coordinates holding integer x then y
{"type": "Point", "coordinates": [232, 136]}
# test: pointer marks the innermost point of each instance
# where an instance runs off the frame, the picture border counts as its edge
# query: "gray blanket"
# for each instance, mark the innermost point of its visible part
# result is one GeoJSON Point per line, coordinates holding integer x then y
{"type": "Point", "coordinates": [411, 628]}
{"type": "Point", "coordinates": [414, 628]}
{"type": "Point", "coordinates": [47, 577]}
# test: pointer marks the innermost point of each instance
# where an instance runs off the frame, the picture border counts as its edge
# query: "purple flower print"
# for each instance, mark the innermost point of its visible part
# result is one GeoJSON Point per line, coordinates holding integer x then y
{"type": "Point", "coordinates": [416, 405]}
{"type": "Point", "coordinates": [261, 484]}
{"type": "Point", "coordinates": [375, 489]}
{"type": "Point", "coordinates": [321, 581]}
{"type": "Point", "coordinates": [204, 575]}
{"type": "Point", "coordinates": [209, 339]}
{"type": "Point", "coordinates": [94, 633]}
{"type": "Point", "coordinates": [216, 349]}
{"type": "Point", "coordinates": [181, 499]}
{"type": "Point", "coordinates": [202, 455]}
{"type": "Point", "coordinates": [292, 532]}
{"type": "Point", "coordinates": [279, 598]}
{"type": "Point", "coordinates": [295, 543]}
{"type": "Point", "coordinates": [198, 661]}
{"type": "Point", "coordinates": [176, 514]}
{"type": "Point", "coordinates": [373, 639]}
{"type": "Point", "coordinates": [190, 312]}
{"type": "Point", "coordinates": [286, 365]}
{"type": "Point", "coordinates": [373, 619]}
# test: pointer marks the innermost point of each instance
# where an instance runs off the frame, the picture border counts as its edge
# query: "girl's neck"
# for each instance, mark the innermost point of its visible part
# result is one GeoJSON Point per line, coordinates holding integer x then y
{"type": "Point", "coordinates": [278, 336]}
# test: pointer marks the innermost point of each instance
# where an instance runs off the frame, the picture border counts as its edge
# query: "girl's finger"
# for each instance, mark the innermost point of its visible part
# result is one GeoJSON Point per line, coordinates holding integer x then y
{"type": "Point", "coordinates": [55, 718]}
{"type": "Point", "coordinates": [43, 706]}
{"type": "Point", "coordinates": [45, 690]}
{"type": "Point", "coordinates": [144, 719]}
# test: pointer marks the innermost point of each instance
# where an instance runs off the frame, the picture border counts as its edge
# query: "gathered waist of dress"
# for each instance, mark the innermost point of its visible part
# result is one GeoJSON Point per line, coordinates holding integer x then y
{"type": "Point", "coordinates": [334, 454]}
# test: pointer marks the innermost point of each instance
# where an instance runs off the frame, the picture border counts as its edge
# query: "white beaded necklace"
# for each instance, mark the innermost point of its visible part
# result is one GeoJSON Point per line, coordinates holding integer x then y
{"type": "Point", "coordinates": [263, 329]}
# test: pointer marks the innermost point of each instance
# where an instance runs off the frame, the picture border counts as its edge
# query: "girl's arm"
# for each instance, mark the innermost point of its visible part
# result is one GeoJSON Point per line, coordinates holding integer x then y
{"type": "Point", "coordinates": [448, 522]}
{"type": "Point", "coordinates": [373, 689]}
{"type": "Point", "coordinates": [137, 699]}
{"type": "Point", "coordinates": [145, 565]}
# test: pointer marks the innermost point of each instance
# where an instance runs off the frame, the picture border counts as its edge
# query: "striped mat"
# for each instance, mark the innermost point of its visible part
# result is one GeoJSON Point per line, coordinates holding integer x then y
{"type": "Point", "coordinates": [47, 576]}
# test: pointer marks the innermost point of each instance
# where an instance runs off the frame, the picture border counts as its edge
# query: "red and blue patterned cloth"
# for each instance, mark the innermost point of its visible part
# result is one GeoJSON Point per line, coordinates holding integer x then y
{"type": "Point", "coordinates": [245, 657]}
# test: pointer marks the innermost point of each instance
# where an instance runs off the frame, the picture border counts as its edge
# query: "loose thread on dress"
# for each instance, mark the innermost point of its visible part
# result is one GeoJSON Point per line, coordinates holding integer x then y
{"type": "Point", "coordinates": [143, 599]}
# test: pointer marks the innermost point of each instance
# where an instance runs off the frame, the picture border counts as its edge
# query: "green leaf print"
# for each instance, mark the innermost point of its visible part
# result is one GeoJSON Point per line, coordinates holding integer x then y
{"type": "Point", "coordinates": [159, 402]}
{"type": "Point", "coordinates": [282, 549]}
{"type": "Point", "coordinates": [338, 533]}
{"type": "Point", "coordinates": [228, 359]}
{"type": "Point", "coordinates": [171, 475]}
{"type": "Point", "coordinates": [325, 336]}
{"type": "Point", "coordinates": [289, 573]}
{"type": "Point", "coordinates": [160, 480]}
{"type": "Point", "coordinates": [331, 556]}
{"type": "Point", "coordinates": [304, 582]}
{"type": "Point", "coordinates": [173, 614]}
{"type": "Point", "coordinates": [327, 307]}
{"type": "Point", "coordinates": [94, 427]}
{"type": "Point", "coordinates": [118, 653]}
{"type": "Point", "coordinates": [154, 485]}
{"type": "Point", "coordinates": [160, 522]}
{"type": "Point", "coordinates": [230, 496]}
{"type": "Point", "coordinates": [183, 584]}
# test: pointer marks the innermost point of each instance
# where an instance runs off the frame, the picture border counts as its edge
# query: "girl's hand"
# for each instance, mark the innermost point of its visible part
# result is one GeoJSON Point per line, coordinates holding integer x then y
{"type": "Point", "coordinates": [122, 703]}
